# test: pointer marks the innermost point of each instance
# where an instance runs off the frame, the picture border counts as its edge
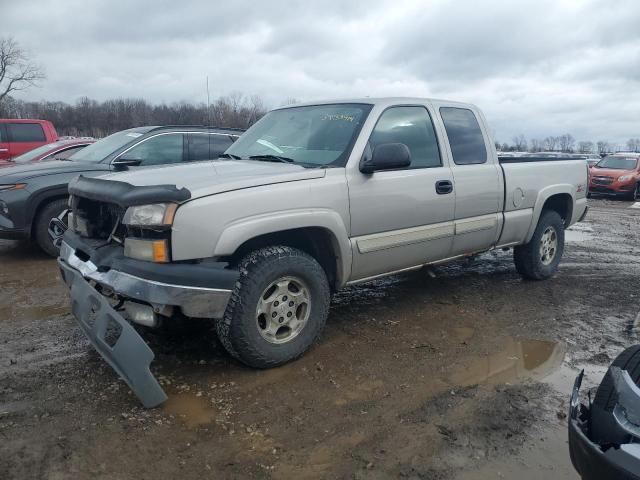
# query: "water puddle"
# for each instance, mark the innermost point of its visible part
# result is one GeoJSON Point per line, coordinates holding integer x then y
{"type": "Point", "coordinates": [517, 360]}
{"type": "Point", "coordinates": [192, 409]}
{"type": "Point", "coordinates": [578, 233]}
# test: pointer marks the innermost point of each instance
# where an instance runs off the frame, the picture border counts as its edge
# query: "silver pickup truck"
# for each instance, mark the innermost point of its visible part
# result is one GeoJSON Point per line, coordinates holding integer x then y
{"type": "Point", "coordinates": [312, 198]}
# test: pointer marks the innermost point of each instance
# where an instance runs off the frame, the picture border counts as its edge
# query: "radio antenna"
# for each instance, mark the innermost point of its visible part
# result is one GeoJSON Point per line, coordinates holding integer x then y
{"type": "Point", "coordinates": [208, 103]}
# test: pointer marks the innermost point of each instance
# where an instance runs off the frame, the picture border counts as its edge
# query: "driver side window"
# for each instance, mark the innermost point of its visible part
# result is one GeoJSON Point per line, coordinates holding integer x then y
{"type": "Point", "coordinates": [411, 126]}
{"type": "Point", "coordinates": [159, 150]}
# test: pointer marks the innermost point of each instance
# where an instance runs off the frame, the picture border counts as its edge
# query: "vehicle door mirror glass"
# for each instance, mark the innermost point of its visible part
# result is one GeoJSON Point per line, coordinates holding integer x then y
{"type": "Point", "coordinates": [387, 156]}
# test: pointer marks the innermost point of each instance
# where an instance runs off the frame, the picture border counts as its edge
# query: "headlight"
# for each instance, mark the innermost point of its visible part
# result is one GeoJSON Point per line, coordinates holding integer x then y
{"type": "Point", "coordinates": [624, 178]}
{"type": "Point", "coordinates": [13, 186]}
{"type": "Point", "coordinates": [154, 215]}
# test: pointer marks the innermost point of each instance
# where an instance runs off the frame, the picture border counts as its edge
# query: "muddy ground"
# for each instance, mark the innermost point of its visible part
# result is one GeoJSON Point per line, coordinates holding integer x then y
{"type": "Point", "coordinates": [462, 373]}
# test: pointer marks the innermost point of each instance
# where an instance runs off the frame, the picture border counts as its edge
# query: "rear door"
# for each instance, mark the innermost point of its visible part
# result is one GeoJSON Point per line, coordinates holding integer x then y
{"type": "Point", "coordinates": [24, 137]}
{"type": "Point", "coordinates": [478, 181]}
{"type": "Point", "coordinates": [4, 143]}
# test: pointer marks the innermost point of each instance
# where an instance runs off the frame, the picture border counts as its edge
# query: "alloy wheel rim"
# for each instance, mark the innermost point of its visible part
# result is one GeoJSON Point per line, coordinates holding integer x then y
{"type": "Point", "coordinates": [548, 245]}
{"type": "Point", "coordinates": [283, 310]}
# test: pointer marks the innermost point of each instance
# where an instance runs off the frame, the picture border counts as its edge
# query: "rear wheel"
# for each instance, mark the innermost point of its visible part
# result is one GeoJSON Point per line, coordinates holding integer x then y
{"type": "Point", "coordinates": [539, 259]}
{"type": "Point", "coordinates": [278, 308]}
{"type": "Point", "coordinates": [604, 428]}
{"type": "Point", "coordinates": [41, 225]}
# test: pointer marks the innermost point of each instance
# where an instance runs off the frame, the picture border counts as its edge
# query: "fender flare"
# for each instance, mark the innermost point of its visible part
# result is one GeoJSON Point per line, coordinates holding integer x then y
{"type": "Point", "coordinates": [237, 233]}
{"type": "Point", "coordinates": [544, 195]}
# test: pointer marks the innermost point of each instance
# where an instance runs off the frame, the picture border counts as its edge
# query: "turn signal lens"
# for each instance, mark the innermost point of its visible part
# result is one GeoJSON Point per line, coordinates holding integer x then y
{"type": "Point", "coordinates": [160, 254]}
{"type": "Point", "coordinates": [15, 186]}
{"type": "Point", "coordinates": [147, 250]}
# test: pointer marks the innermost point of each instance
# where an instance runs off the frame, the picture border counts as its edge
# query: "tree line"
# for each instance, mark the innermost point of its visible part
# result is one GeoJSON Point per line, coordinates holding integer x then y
{"type": "Point", "coordinates": [88, 117]}
{"type": "Point", "coordinates": [564, 143]}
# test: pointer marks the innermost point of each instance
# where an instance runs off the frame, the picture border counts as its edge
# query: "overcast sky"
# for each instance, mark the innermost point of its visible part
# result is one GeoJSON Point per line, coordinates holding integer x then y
{"type": "Point", "coordinates": [538, 67]}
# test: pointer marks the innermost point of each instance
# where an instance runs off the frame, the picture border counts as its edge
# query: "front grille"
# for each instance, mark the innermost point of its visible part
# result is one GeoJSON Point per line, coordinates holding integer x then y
{"type": "Point", "coordinates": [93, 219]}
{"type": "Point", "coordinates": [602, 180]}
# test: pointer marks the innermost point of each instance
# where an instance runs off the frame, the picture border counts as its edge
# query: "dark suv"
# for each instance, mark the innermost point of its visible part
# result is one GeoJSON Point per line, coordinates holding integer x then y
{"type": "Point", "coordinates": [32, 194]}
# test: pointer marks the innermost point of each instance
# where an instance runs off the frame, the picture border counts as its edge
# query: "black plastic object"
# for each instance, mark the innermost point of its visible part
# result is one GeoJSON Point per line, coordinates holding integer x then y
{"type": "Point", "coordinates": [125, 194]}
{"type": "Point", "coordinates": [127, 353]}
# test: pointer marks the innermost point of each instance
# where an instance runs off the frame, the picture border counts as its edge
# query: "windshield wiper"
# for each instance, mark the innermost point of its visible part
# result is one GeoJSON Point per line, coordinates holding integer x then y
{"type": "Point", "coordinates": [230, 155]}
{"type": "Point", "coordinates": [272, 158]}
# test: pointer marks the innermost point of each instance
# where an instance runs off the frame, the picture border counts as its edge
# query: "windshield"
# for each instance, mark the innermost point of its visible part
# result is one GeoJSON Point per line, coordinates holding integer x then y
{"type": "Point", "coordinates": [618, 163]}
{"type": "Point", "coordinates": [36, 152]}
{"type": "Point", "coordinates": [98, 151]}
{"type": "Point", "coordinates": [318, 135]}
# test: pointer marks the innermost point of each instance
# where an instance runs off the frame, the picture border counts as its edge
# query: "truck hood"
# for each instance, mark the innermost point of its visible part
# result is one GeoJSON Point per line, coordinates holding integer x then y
{"type": "Point", "coordinates": [13, 173]}
{"type": "Point", "coordinates": [217, 176]}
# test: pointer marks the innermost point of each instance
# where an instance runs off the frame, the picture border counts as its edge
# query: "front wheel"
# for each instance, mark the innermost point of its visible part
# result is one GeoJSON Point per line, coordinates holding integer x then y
{"type": "Point", "coordinates": [278, 308]}
{"type": "Point", "coordinates": [635, 196]}
{"type": "Point", "coordinates": [539, 259]}
{"type": "Point", "coordinates": [41, 225]}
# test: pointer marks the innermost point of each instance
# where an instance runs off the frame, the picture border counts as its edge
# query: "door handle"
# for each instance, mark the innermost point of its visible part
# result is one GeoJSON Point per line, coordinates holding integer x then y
{"type": "Point", "coordinates": [443, 187]}
{"type": "Point", "coordinates": [4, 149]}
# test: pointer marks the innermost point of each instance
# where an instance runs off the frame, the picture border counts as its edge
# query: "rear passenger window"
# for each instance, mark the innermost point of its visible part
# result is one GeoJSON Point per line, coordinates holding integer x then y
{"type": "Point", "coordinates": [220, 144]}
{"type": "Point", "coordinates": [26, 132]}
{"type": "Point", "coordinates": [411, 126]}
{"type": "Point", "coordinates": [465, 136]}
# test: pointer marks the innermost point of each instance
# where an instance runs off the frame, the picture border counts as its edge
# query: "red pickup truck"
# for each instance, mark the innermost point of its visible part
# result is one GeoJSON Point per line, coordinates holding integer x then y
{"type": "Point", "coordinates": [18, 136]}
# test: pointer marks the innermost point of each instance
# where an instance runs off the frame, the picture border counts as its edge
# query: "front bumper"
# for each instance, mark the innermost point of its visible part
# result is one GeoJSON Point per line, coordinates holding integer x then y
{"type": "Point", "coordinates": [200, 291]}
{"type": "Point", "coordinates": [615, 189]}
{"type": "Point", "coordinates": [621, 462]}
{"type": "Point", "coordinates": [127, 353]}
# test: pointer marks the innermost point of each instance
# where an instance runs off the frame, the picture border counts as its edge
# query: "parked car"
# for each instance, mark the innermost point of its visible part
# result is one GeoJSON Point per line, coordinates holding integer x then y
{"type": "Point", "coordinates": [311, 198]}
{"type": "Point", "coordinates": [617, 175]}
{"type": "Point", "coordinates": [18, 136]}
{"type": "Point", "coordinates": [591, 158]}
{"type": "Point", "coordinates": [604, 434]}
{"type": "Point", "coordinates": [59, 150]}
{"type": "Point", "coordinates": [31, 194]}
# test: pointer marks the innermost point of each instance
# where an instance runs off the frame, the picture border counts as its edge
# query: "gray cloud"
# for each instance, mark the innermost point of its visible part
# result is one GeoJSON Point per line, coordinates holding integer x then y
{"type": "Point", "coordinates": [538, 67]}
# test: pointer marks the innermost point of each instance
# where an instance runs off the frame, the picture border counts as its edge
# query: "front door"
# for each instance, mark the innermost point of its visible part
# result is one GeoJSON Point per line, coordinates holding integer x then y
{"type": "Point", "coordinates": [402, 218]}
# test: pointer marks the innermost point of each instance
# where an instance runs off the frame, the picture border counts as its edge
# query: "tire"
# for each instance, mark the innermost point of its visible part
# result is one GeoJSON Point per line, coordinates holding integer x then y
{"type": "Point", "coordinates": [245, 333]}
{"type": "Point", "coordinates": [528, 258]}
{"type": "Point", "coordinates": [635, 195]}
{"type": "Point", "coordinates": [41, 225]}
{"type": "Point", "coordinates": [604, 428]}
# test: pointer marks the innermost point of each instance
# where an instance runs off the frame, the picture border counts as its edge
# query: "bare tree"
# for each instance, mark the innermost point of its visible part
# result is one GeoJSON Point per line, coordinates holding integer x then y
{"type": "Point", "coordinates": [17, 72]}
{"type": "Point", "coordinates": [536, 145]}
{"type": "Point", "coordinates": [550, 143]}
{"type": "Point", "coordinates": [585, 146]}
{"type": "Point", "coordinates": [633, 144]}
{"type": "Point", "coordinates": [520, 142]}
{"type": "Point", "coordinates": [566, 142]}
{"type": "Point", "coordinates": [603, 146]}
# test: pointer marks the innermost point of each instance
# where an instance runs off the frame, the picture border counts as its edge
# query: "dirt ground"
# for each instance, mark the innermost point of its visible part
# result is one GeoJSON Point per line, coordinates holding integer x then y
{"type": "Point", "coordinates": [463, 372]}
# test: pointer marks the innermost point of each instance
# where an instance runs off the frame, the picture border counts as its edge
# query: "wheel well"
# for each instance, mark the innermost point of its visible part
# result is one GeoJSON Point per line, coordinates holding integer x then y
{"type": "Point", "coordinates": [561, 203]}
{"type": "Point", "coordinates": [316, 241]}
{"type": "Point", "coordinates": [41, 204]}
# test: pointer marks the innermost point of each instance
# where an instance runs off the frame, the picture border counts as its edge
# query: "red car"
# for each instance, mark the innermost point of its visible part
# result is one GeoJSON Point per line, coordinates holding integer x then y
{"type": "Point", "coordinates": [51, 151]}
{"type": "Point", "coordinates": [616, 175]}
{"type": "Point", "coordinates": [18, 136]}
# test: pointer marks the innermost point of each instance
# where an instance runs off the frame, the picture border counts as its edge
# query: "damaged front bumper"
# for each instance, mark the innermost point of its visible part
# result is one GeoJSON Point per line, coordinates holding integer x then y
{"type": "Point", "coordinates": [128, 354]}
{"type": "Point", "coordinates": [596, 462]}
{"type": "Point", "coordinates": [97, 275]}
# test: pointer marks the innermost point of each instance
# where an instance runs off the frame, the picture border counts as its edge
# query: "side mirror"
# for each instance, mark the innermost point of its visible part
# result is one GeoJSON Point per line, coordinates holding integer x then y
{"type": "Point", "coordinates": [386, 156]}
{"type": "Point", "coordinates": [126, 161]}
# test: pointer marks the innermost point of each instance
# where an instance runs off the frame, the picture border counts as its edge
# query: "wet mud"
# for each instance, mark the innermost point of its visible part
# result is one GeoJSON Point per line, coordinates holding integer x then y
{"type": "Point", "coordinates": [463, 372]}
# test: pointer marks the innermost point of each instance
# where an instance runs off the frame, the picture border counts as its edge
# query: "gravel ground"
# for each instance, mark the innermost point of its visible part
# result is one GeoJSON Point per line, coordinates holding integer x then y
{"type": "Point", "coordinates": [463, 372]}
